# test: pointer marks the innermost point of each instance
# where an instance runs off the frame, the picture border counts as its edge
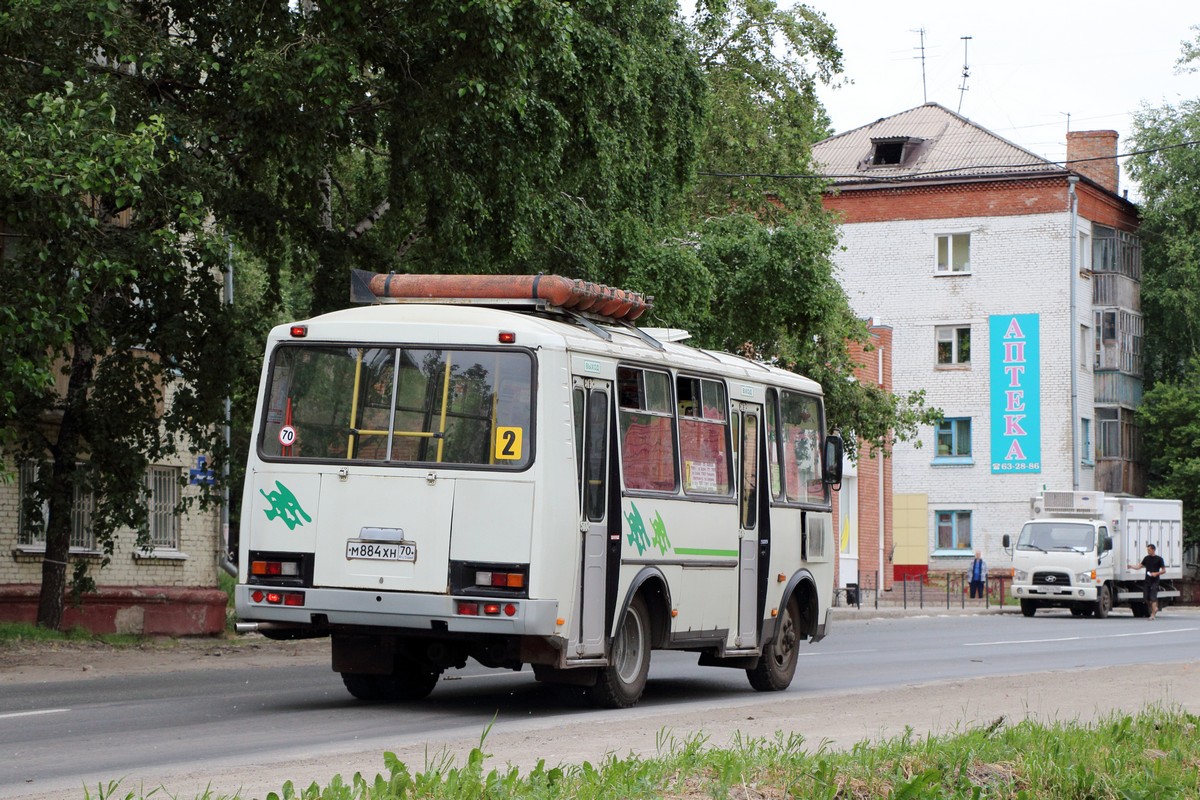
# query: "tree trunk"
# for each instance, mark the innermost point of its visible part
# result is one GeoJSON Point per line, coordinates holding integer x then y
{"type": "Point", "coordinates": [64, 454]}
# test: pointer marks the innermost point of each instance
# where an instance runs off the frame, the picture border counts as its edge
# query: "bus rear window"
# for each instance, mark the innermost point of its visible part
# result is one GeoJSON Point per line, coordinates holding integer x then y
{"type": "Point", "coordinates": [400, 405]}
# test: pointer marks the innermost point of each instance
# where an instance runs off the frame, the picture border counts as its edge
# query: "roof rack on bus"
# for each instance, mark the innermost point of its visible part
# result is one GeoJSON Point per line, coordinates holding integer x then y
{"type": "Point", "coordinates": [580, 298]}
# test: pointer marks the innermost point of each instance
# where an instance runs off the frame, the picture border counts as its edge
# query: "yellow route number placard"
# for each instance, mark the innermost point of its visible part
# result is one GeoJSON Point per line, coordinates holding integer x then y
{"type": "Point", "coordinates": [508, 444]}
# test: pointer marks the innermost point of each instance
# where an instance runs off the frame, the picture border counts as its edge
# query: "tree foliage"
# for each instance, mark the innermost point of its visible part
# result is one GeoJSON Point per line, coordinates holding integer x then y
{"type": "Point", "coordinates": [1168, 170]}
{"type": "Point", "coordinates": [148, 142]}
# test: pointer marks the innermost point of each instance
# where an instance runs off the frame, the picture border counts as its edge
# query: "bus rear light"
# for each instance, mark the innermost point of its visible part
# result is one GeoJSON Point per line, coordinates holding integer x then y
{"type": "Point", "coordinates": [275, 568]}
{"type": "Point", "coordinates": [278, 598]}
{"type": "Point", "coordinates": [468, 609]}
{"type": "Point", "coordinates": [501, 580]}
{"type": "Point", "coordinates": [299, 331]}
{"type": "Point", "coordinates": [510, 609]}
{"type": "Point", "coordinates": [491, 609]}
{"type": "Point", "coordinates": [507, 337]}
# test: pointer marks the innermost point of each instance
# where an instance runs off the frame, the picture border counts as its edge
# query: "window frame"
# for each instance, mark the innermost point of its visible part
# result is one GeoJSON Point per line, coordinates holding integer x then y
{"type": "Point", "coordinates": [954, 334]}
{"type": "Point", "coordinates": [955, 516]}
{"type": "Point", "coordinates": [163, 520]}
{"type": "Point", "coordinates": [952, 427]}
{"type": "Point", "coordinates": [83, 505]}
{"type": "Point", "coordinates": [948, 266]}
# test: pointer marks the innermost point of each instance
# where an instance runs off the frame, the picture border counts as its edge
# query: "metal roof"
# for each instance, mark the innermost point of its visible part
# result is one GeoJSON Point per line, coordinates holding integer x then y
{"type": "Point", "coordinates": [937, 145]}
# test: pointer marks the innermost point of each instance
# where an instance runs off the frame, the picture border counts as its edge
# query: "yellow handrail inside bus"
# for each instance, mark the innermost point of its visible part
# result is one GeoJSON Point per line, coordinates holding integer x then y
{"type": "Point", "coordinates": [354, 404]}
{"type": "Point", "coordinates": [445, 396]}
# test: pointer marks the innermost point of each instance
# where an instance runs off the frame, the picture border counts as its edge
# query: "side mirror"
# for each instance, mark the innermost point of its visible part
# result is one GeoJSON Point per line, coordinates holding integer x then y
{"type": "Point", "coordinates": [1005, 542]}
{"type": "Point", "coordinates": [1107, 543]}
{"type": "Point", "coordinates": [833, 461]}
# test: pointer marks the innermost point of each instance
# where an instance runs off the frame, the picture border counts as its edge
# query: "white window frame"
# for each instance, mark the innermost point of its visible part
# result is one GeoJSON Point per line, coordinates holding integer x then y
{"type": "Point", "coordinates": [1085, 441]}
{"type": "Point", "coordinates": [954, 242]}
{"type": "Point", "coordinates": [949, 333]}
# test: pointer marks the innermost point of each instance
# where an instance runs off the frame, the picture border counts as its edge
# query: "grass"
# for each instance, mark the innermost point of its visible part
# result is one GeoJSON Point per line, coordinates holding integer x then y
{"type": "Point", "coordinates": [16, 633]}
{"type": "Point", "coordinates": [1153, 755]}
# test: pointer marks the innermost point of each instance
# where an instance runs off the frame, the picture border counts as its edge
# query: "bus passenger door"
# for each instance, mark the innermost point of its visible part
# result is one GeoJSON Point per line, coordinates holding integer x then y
{"type": "Point", "coordinates": [591, 401]}
{"type": "Point", "coordinates": [747, 419]}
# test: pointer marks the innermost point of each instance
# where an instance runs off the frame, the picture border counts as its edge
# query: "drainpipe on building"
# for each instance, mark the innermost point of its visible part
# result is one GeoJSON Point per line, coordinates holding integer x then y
{"type": "Point", "coordinates": [879, 461]}
{"type": "Point", "coordinates": [224, 559]}
{"type": "Point", "coordinates": [1072, 180]}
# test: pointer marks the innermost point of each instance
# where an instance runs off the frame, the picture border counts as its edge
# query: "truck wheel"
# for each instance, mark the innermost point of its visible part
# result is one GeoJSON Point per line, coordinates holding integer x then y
{"type": "Point", "coordinates": [1103, 602]}
{"type": "Point", "coordinates": [777, 665]}
{"type": "Point", "coordinates": [620, 684]}
{"type": "Point", "coordinates": [1028, 607]}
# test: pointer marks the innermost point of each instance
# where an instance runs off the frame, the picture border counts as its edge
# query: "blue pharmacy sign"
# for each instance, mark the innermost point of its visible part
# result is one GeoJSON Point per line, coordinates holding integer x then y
{"type": "Point", "coordinates": [1016, 381]}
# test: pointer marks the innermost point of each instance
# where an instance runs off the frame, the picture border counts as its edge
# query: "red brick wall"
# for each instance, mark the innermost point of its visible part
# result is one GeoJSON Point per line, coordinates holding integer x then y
{"type": "Point", "coordinates": [869, 466]}
{"type": "Point", "coordinates": [991, 199]}
{"type": "Point", "coordinates": [1082, 146]}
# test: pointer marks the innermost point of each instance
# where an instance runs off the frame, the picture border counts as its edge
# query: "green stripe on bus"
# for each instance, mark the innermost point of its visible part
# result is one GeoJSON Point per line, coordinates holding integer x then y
{"type": "Point", "coordinates": [701, 551]}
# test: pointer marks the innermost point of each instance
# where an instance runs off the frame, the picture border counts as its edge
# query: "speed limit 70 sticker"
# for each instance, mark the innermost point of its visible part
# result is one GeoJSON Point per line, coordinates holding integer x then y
{"type": "Point", "coordinates": [287, 436]}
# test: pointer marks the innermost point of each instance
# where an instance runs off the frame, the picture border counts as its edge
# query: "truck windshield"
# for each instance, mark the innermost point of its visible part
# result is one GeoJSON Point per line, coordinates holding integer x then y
{"type": "Point", "coordinates": [1046, 536]}
{"type": "Point", "coordinates": [399, 405]}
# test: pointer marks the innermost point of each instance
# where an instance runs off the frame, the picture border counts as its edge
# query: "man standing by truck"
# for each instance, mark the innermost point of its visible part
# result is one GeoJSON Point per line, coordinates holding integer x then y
{"type": "Point", "coordinates": [1155, 567]}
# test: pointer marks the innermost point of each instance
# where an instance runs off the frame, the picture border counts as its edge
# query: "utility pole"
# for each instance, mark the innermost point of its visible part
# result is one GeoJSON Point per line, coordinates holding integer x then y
{"type": "Point", "coordinates": [924, 90]}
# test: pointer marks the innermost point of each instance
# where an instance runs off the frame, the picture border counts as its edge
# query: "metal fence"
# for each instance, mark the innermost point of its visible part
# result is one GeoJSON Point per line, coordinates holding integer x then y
{"type": "Point", "coordinates": [936, 590]}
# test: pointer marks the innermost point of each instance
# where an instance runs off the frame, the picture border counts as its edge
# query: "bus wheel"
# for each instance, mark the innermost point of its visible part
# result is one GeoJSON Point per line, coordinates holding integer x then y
{"type": "Point", "coordinates": [777, 664]}
{"type": "Point", "coordinates": [620, 684]}
{"type": "Point", "coordinates": [1103, 602]}
{"type": "Point", "coordinates": [368, 688]}
{"type": "Point", "coordinates": [1028, 607]}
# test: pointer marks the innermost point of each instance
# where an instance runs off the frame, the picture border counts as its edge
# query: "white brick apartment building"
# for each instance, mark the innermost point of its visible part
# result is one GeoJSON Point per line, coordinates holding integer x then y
{"type": "Point", "coordinates": [1011, 285]}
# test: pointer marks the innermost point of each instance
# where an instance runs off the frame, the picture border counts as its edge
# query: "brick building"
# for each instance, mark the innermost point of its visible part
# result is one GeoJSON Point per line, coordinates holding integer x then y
{"type": "Point", "coordinates": [1011, 285]}
{"type": "Point", "coordinates": [863, 506]}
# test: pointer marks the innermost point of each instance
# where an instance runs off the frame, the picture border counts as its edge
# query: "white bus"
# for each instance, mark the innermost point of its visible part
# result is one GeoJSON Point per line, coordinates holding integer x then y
{"type": "Point", "coordinates": [434, 479]}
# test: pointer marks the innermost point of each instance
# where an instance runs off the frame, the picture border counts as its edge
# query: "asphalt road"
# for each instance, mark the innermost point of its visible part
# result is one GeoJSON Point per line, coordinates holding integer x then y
{"type": "Point", "coordinates": [58, 736]}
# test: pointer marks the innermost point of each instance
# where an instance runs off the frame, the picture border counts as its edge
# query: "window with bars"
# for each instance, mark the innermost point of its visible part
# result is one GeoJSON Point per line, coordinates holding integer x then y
{"type": "Point", "coordinates": [163, 485]}
{"type": "Point", "coordinates": [32, 530]}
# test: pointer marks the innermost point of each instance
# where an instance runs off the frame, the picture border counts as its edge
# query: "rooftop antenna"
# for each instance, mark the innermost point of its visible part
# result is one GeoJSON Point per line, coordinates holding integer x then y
{"type": "Point", "coordinates": [924, 90]}
{"type": "Point", "coordinates": [965, 74]}
{"type": "Point", "coordinates": [1067, 114]}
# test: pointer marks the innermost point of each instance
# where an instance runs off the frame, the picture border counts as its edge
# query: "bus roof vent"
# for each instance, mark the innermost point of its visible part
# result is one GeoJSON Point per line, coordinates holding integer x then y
{"type": "Point", "coordinates": [535, 291]}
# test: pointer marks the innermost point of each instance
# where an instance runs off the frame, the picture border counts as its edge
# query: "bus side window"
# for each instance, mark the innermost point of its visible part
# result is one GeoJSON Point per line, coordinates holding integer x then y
{"type": "Point", "coordinates": [647, 432]}
{"type": "Point", "coordinates": [597, 460]}
{"type": "Point", "coordinates": [703, 436]}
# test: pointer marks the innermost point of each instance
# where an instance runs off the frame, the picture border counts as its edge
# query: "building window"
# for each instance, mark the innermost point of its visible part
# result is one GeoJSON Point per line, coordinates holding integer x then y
{"type": "Point", "coordinates": [1085, 440]}
{"type": "Point", "coordinates": [953, 252]}
{"type": "Point", "coordinates": [163, 485]}
{"type": "Point", "coordinates": [953, 532]}
{"type": "Point", "coordinates": [1085, 345]}
{"type": "Point", "coordinates": [954, 439]}
{"type": "Point", "coordinates": [32, 529]}
{"type": "Point", "coordinates": [1108, 445]}
{"type": "Point", "coordinates": [953, 345]}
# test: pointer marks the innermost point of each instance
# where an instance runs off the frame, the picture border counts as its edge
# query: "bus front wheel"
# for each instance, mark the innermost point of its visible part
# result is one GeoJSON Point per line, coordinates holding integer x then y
{"type": "Point", "coordinates": [620, 684]}
{"type": "Point", "coordinates": [777, 665]}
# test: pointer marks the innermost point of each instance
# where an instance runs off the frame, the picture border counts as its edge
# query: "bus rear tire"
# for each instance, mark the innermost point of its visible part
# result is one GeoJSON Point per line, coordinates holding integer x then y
{"type": "Point", "coordinates": [621, 683]}
{"type": "Point", "coordinates": [1028, 607]}
{"type": "Point", "coordinates": [777, 665]}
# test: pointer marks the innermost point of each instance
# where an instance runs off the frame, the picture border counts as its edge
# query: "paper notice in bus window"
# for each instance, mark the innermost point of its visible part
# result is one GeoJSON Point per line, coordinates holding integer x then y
{"type": "Point", "coordinates": [508, 444]}
{"type": "Point", "coordinates": [701, 476]}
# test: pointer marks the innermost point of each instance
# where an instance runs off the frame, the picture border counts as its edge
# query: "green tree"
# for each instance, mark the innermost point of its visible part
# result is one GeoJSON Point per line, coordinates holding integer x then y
{"type": "Point", "coordinates": [1168, 170]}
{"type": "Point", "coordinates": [764, 238]}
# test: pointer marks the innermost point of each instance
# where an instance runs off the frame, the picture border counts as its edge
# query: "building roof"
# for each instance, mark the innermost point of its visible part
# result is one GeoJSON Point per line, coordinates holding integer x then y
{"type": "Point", "coordinates": [926, 143]}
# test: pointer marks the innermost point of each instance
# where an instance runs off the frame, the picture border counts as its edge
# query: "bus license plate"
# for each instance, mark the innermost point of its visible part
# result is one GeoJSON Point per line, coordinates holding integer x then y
{"type": "Point", "coordinates": [381, 551]}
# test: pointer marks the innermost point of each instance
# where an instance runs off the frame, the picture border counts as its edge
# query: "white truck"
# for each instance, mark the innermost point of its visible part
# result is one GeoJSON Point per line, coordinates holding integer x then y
{"type": "Point", "coordinates": [1076, 549]}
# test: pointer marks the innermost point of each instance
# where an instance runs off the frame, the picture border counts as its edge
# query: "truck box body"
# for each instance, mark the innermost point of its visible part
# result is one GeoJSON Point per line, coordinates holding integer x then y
{"type": "Point", "coordinates": [1076, 549]}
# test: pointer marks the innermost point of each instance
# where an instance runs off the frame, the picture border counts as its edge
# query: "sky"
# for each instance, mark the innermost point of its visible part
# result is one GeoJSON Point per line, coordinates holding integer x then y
{"type": "Point", "coordinates": [1030, 64]}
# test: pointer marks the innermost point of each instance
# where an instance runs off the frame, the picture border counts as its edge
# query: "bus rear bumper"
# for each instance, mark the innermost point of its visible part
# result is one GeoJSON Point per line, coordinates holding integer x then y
{"type": "Point", "coordinates": [422, 613]}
